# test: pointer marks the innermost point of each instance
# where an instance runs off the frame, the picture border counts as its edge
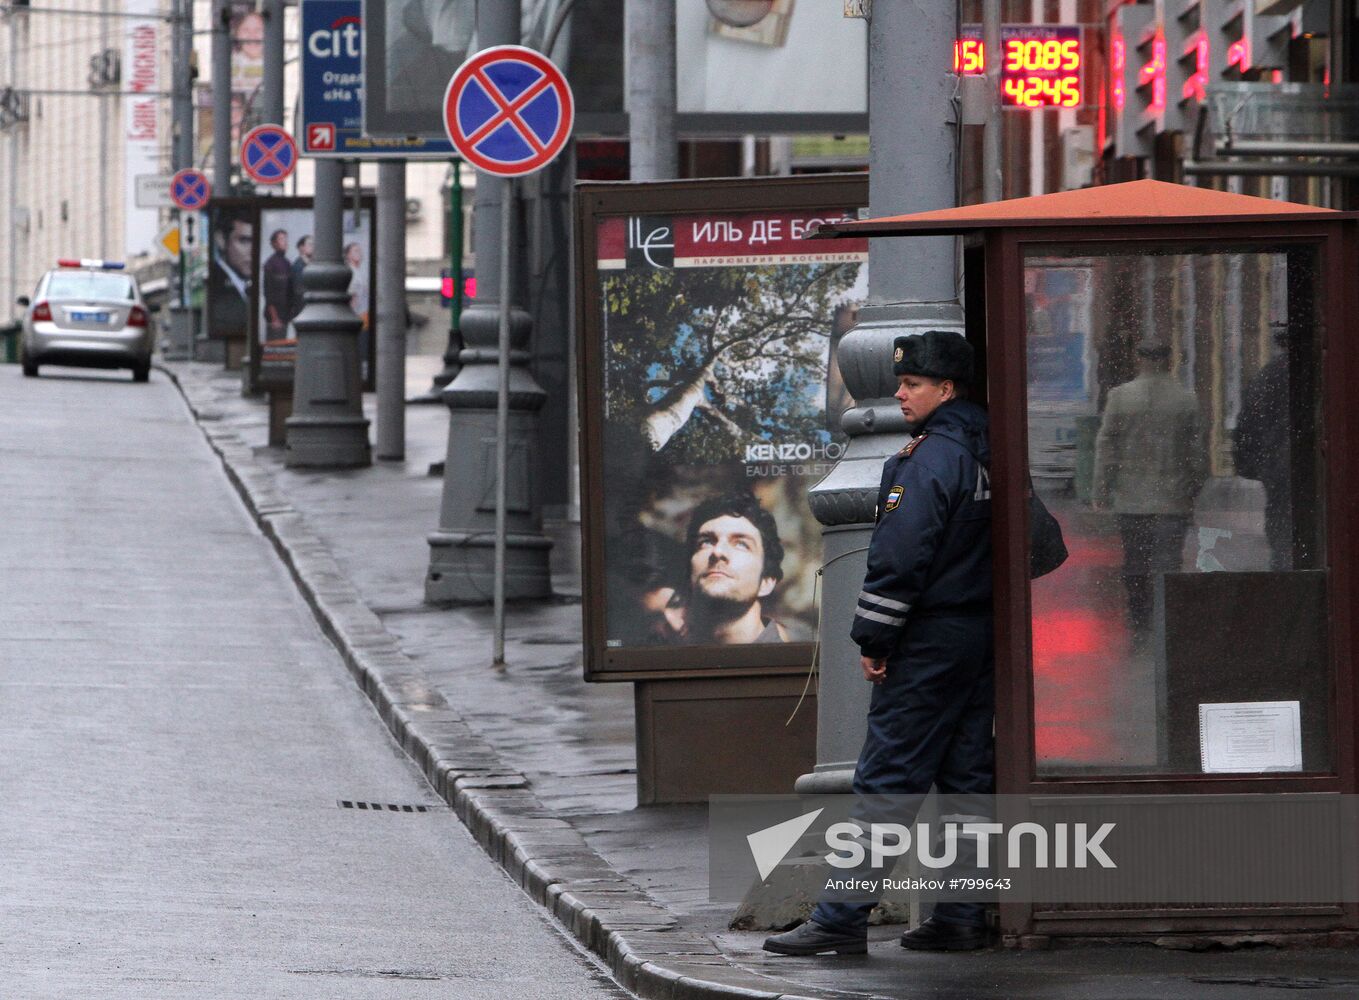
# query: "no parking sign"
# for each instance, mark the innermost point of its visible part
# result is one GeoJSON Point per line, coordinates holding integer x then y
{"type": "Point", "coordinates": [190, 190]}
{"type": "Point", "coordinates": [268, 154]}
{"type": "Point", "coordinates": [508, 110]}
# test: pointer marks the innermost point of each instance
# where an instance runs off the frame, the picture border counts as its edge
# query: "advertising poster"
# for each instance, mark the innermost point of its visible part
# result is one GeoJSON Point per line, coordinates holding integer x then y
{"type": "Point", "coordinates": [741, 66]}
{"type": "Point", "coordinates": [142, 139]}
{"type": "Point", "coordinates": [231, 247]}
{"type": "Point", "coordinates": [246, 28]}
{"type": "Point", "coordinates": [284, 247]}
{"type": "Point", "coordinates": [411, 50]}
{"type": "Point", "coordinates": [718, 409]}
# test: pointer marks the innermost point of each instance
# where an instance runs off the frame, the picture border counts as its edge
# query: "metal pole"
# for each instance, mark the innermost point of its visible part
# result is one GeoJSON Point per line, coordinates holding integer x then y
{"type": "Point", "coordinates": [271, 86]}
{"type": "Point", "coordinates": [502, 420]}
{"type": "Point", "coordinates": [221, 98]}
{"type": "Point", "coordinates": [652, 143]}
{"type": "Point", "coordinates": [993, 188]}
{"type": "Point", "coordinates": [455, 248]}
{"type": "Point", "coordinates": [391, 310]}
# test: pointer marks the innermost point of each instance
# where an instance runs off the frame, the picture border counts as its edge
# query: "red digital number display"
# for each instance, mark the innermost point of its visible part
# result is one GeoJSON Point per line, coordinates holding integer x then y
{"type": "Point", "coordinates": [1041, 65]}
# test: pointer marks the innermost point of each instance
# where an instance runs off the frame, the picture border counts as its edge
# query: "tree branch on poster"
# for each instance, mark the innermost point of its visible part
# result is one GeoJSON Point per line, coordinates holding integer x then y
{"type": "Point", "coordinates": [756, 335]}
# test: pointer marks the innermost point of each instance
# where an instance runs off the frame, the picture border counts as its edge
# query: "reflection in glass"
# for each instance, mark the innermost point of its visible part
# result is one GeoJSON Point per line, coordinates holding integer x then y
{"type": "Point", "coordinates": [1173, 430]}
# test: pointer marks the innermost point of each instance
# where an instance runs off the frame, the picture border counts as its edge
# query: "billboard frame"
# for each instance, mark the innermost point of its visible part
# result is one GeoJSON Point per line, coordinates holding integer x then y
{"type": "Point", "coordinates": [594, 202]}
{"type": "Point", "coordinates": [591, 123]}
{"type": "Point", "coordinates": [368, 204]}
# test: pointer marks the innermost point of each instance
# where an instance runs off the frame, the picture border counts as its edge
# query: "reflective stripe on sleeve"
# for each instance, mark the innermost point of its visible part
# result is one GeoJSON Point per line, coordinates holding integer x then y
{"type": "Point", "coordinates": [883, 602]}
{"type": "Point", "coordinates": [876, 617]}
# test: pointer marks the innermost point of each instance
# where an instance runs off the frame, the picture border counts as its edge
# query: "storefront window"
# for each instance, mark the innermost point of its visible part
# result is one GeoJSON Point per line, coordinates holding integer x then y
{"type": "Point", "coordinates": [1174, 431]}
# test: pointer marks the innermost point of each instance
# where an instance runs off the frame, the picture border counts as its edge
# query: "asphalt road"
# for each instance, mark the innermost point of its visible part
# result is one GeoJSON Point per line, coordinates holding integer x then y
{"type": "Point", "coordinates": [177, 737]}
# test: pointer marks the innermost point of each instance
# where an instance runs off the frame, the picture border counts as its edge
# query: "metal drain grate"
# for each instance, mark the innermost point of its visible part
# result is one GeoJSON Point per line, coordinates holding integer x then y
{"type": "Point", "coordinates": [382, 807]}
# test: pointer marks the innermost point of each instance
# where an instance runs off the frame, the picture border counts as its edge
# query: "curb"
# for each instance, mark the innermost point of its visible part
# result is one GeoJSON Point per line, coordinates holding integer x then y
{"type": "Point", "coordinates": [640, 941]}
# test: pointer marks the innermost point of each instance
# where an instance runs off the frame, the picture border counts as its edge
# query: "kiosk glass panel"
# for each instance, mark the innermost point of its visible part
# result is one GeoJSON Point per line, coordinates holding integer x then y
{"type": "Point", "coordinates": [1174, 402]}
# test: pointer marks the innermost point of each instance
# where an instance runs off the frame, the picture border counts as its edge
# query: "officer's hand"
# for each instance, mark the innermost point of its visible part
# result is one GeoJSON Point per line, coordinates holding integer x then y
{"type": "Point", "coordinates": [875, 671]}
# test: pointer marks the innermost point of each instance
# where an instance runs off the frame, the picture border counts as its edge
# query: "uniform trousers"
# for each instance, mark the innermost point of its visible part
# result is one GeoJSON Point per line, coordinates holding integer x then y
{"type": "Point", "coordinates": [930, 723]}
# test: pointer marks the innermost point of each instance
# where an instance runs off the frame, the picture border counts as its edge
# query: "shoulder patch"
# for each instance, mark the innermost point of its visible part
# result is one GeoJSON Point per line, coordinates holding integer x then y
{"type": "Point", "coordinates": [912, 445]}
{"type": "Point", "coordinates": [893, 499]}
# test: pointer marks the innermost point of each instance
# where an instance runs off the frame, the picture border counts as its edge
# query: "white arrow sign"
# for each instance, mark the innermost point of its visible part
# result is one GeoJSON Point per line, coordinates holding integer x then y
{"type": "Point", "coordinates": [189, 231]}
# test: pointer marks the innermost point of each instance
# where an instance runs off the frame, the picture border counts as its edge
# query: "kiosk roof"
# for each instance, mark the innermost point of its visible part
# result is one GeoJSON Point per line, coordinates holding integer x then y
{"type": "Point", "coordinates": [1131, 203]}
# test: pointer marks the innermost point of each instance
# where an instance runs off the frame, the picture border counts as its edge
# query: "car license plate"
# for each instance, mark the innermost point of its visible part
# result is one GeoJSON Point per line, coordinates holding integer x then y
{"type": "Point", "coordinates": [86, 316]}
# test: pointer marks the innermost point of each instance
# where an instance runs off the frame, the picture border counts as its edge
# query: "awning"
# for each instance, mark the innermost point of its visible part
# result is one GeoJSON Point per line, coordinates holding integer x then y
{"type": "Point", "coordinates": [1131, 203]}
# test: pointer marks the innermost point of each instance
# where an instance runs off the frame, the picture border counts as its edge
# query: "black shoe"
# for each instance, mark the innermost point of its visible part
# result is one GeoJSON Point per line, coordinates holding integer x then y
{"type": "Point", "coordinates": [813, 939]}
{"type": "Point", "coordinates": [936, 935]}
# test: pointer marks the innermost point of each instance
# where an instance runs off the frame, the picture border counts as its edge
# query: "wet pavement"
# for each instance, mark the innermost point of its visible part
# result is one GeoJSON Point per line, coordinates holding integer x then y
{"type": "Point", "coordinates": [180, 743]}
{"type": "Point", "coordinates": [573, 742]}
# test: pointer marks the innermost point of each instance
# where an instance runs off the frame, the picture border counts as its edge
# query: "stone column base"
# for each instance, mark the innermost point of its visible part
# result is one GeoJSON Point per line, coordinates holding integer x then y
{"type": "Point", "coordinates": [462, 567]}
{"type": "Point", "coordinates": [339, 442]}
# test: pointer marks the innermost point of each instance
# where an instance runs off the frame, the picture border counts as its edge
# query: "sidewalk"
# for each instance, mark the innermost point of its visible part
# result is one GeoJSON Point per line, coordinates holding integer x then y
{"type": "Point", "coordinates": [541, 765]}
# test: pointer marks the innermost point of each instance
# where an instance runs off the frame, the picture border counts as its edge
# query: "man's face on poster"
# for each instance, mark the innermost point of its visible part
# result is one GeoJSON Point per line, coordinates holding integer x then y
{"type": "Point", "coordinates": [727, 563]}
{"type": "Point", "coordinates": [279, 241]}
{"type": "Point", "coordinates": [304, 248]}
{"type": "Point", "coordinates": [237, 246]}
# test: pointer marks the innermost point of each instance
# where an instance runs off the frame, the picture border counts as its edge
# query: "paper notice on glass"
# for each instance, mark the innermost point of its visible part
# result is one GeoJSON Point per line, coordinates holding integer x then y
{"type": "Point", "coordinates": [1250, 736]}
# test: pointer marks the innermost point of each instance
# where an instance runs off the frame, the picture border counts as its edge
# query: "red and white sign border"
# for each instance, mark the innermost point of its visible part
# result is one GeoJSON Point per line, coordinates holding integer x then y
{"type": "Point", "coordinates": [250, 136]}
{"type": "Point", "coordinates": [473, 69]}
{"type": "Point", "coordinates": [185, 174]}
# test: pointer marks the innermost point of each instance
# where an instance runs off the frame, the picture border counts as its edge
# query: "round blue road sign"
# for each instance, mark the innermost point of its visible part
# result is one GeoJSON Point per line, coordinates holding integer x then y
{"type": "Point", "coordinates": [508, 110]}
{"type": "Point", "coordinates": [268, 154]}
{"type": "Point", "coordinates": [190, 190]}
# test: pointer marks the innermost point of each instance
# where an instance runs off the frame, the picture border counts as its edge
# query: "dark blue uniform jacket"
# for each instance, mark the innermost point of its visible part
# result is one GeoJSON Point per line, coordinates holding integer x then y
{"type": "Point", "coordinates": [931, 549]}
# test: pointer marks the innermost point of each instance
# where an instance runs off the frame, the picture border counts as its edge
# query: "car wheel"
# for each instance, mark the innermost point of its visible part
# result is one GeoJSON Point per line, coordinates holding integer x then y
{"type": "Point", "coordinates": [141, 371]}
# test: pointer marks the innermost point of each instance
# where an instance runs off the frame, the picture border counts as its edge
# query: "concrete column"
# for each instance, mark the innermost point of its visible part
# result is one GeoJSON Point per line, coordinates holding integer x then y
{"type": "Point", "coordinates": [912, 288]}
{"type": "Point", "coordinates": [222, 153]}
{"type": "Point", "coordinates": [652, 143]}
{"type": "Point", "coordinates": [462, 550]}
{"type": "Point", "coordinates": [391, 310]}
{"type": "Point", "coordinates": [327, 428]}
{"type": "Point", "coordinates": [271, 86]}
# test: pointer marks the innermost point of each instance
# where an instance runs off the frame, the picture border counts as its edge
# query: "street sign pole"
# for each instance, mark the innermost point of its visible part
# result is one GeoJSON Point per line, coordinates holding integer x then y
{"type": "Point", "coordinates": [509, 112]}
{"type": "Point", "coordinates": [502, 418]}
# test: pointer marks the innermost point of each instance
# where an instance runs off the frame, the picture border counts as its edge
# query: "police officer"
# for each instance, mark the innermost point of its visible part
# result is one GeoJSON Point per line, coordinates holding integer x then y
{"type": "Point", "coordinates": [924, 628]}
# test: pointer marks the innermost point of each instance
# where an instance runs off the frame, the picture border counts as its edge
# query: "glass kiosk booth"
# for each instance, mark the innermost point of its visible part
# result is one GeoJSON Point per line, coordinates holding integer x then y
{"type": "Point", "coordinates": [1175, 368]}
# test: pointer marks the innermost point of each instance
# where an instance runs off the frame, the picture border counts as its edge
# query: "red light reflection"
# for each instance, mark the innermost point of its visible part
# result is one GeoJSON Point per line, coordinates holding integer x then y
{"type": "Point", "coordinates": [1079, 643]}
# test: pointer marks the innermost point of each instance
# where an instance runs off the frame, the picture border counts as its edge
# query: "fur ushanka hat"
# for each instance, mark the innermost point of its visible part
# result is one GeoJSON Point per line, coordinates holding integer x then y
{"type": "Point", "coordinates": [934, 354]}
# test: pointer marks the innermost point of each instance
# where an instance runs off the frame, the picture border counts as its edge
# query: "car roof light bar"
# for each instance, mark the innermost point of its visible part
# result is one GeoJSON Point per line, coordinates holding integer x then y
{"type": "Point", "coordinates": [103, 265]}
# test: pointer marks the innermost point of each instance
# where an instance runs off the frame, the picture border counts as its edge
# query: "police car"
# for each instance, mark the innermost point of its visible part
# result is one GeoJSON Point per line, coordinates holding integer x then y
{"type": "Point", "coordinates": [88, 313]}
